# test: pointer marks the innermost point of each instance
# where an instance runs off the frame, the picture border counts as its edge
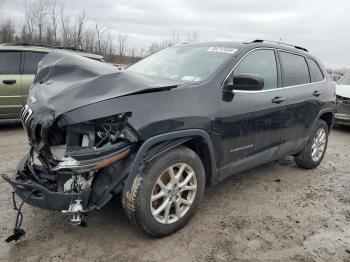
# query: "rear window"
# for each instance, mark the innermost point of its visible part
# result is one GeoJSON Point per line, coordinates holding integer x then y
{"type": "Point", "coordinates": [315, 70]}
{"type": "Point", "coordinates": [295, 70]}
{"type": "Point", "coordinates": [31, 60]}
{"type": "Point", "coordinates": [10, 63]}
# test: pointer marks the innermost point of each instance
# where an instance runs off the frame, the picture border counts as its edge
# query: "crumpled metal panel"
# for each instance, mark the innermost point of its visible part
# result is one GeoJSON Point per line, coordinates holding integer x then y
{"type": "Point", "coordinates": [66, 81]}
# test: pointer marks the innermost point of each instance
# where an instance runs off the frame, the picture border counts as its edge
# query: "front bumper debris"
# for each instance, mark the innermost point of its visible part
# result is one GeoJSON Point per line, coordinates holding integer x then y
{"type": "Point", "coordinates": [24, 183]}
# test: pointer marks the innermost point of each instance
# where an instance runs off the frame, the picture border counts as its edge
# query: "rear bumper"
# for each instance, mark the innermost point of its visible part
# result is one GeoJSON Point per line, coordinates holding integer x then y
{"type": "Point", "coordinates": [24, 185]}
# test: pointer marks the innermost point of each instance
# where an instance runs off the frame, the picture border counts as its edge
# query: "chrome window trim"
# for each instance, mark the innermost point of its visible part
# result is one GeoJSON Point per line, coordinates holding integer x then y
{"type": "Point", "coordinates": [273, 89]}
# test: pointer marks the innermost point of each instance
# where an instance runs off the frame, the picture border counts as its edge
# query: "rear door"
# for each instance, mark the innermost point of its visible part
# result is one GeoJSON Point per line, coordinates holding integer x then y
{"type": "Point", "coordinates": [30, 66]}
{"type": "Point", "coordinates": [252, 121]}
{"type": "Point", "coordinates": [303, 93]}
{"type": "Point", "coordinates": [10, 84]}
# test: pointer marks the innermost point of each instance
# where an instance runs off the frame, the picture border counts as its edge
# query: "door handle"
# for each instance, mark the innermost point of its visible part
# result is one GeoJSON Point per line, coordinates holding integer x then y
{"type": "Point", "coordinates": [278, 99]}
{"type": "Point", "coordinates": [9, 82]}
{"type": "Point", "coordinates": [317, 93]}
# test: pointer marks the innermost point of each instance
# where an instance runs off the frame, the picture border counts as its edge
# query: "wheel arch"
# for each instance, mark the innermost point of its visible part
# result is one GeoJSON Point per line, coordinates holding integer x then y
{"type": "Point", "coordinates": [196, 139]}
{"type": "Point", "coordinates": [328, 117]}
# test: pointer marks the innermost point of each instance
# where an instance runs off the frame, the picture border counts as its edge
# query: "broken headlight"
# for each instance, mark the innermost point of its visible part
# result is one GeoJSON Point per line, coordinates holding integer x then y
{"type": "Point", "coordinates": [94, 144]}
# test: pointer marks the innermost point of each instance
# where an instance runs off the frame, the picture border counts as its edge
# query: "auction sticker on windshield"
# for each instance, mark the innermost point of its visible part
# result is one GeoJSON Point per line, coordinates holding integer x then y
{"type": "Point", "coordinates": [221, 49]}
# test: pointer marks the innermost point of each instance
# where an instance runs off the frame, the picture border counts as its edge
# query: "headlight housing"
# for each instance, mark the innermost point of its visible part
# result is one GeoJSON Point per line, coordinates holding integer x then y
{"type": "Point", "coordinates": [94, 144]}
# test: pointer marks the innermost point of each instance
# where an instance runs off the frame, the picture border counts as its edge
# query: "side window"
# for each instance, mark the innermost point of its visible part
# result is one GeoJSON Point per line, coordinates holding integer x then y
{"type": "Point", "coordinates": [10, 63]}
{"type": "Point", "coordinates": [294, 69]}
{"type": "Point", "coordinates": [31, 60]}
{"type": "Point", "coordinates": [315, 70]}
{"type": "Point", "coordinates": [260, 62]}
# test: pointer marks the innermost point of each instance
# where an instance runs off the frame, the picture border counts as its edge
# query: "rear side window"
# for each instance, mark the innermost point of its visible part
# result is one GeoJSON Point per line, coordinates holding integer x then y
{"type": "Point", "coordinates": [10, 63]}
{"type": "Point", "coordinates": [295, 70]}
{"type": "Point", "coordinates": [315, 71]}
{"type": "Point", "coordinates": [31, 60]}
{"type": "Point", "coordinates": [262, 63]}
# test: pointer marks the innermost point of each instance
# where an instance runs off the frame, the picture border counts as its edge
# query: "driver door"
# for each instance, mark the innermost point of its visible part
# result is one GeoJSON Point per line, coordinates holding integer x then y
{"type": "Point", "coordinates": [252, 121]}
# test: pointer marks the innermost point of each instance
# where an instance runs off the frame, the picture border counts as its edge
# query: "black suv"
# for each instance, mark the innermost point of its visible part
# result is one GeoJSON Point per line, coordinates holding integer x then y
{"type": "Point", "coordinates": [160, 131]}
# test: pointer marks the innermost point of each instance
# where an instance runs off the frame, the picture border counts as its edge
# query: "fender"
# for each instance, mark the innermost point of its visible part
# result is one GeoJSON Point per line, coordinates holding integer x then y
{"type": "Point", "coordinates": [321, 112]}
{"type": "Point", "coordinates": [191, 133]}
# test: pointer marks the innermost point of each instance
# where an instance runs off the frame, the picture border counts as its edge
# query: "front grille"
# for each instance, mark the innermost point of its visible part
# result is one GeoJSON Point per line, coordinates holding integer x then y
{"type": "Point", "coordinates": [26, 113]}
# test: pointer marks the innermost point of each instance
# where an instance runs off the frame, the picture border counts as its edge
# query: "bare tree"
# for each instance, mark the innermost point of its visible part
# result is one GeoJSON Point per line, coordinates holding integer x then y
{"type": "Point", "coordinates": [142, 52]}
{"type": "Point", "coordinates": [80, 24]}
{"type": "Point", "coordinates": [88, 42]}
{"type": "Point", "coordinates": [99, 31]}
{"type": "Point", "coordinates": [122, 44]}
{"type": "Point", "coordinates": [53, 21]}
{"type": "Point", "coordinates": [65, 26]}
{"type": "Point", "coordinates": [176, 36]}
{"type": "Point", "coordinates": [28, 28]}
{"type": "Point", "coordinates": [39, 12]}
{"type": "Point", "coordinates": [7, 31]}
{"type": "Point", "coordinates": [46, 21]}
{"type": "Point", "coordinates": [193, 37]}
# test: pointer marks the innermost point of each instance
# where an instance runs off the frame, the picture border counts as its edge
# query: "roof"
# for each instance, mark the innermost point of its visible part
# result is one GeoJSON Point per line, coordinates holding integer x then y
{"type": "Point", "coordinates": [46, 49]}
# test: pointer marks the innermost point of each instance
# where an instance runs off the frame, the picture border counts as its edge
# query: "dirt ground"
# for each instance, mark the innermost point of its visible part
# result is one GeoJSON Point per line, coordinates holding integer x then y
{"type": "Point", "coordinates": [276, 212]}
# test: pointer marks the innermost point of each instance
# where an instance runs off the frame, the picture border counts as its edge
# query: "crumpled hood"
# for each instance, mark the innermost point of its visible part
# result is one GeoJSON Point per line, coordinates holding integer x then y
{"type": "Point", "coordinates": [66, 81]}
{"type": "Point", "coordinates": [343, 90]}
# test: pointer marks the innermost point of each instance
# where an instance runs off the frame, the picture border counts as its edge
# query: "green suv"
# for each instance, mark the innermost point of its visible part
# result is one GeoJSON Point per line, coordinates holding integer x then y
{"type": "Point", "coordinates": [18, 65]}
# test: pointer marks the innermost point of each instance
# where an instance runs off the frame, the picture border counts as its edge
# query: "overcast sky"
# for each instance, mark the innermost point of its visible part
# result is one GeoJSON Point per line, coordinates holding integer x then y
{"type": "Point", "coordinates": [321, 26]}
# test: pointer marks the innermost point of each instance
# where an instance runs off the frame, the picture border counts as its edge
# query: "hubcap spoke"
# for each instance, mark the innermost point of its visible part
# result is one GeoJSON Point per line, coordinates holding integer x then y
{"type": "Point", "coordinates": [187, 179]}
{"type": "Point", "coordinates": [173, 180]}
{"type": "Point", "coordinates": [178, 209]}
{"type": "Point", "coordinates": [185, 202]}
{"type": "Point", "coordinates": [188, 188]}
{"type": "Point", "coordinates": [161, 208]}
{"type": "Point", "coordinates": [167, 210]}
{"type": "Point", "coordinates": [161, 184]}
{"type": "Point", "coordinates": [158, 196]}
{"type": "Point", "coordinates": [179, 173]}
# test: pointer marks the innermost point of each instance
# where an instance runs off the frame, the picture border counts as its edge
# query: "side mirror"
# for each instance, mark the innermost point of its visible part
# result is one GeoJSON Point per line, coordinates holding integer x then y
{"type": "Point", "coordinates": [245, 81]}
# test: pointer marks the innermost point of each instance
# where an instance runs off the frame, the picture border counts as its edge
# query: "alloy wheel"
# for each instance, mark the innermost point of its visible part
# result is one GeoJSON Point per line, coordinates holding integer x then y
{"type": "Point", "coordinates": [173, 193]}
{"type": "Point", "coordinates": [319, 144]}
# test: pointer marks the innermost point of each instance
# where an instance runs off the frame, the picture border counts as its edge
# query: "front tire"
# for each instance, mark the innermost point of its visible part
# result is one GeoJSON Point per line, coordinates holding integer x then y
{"type": "Point", "coordinates": [166, 193]}
{"type": "Point", "coordinates": [315, 148]}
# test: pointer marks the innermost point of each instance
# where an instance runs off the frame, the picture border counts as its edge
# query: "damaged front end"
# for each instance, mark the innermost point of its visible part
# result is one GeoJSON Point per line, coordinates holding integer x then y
{"type": "Point", "coordinates": [342, 116]}
{"type": "Point", "coordinates": [80, 156]}
{"type": "Point", "coordinates": [74, 168]}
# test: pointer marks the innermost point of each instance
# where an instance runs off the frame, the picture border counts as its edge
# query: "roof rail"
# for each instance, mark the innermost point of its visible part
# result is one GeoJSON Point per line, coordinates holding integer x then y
{"type": "Point", "coordinates": [280, 43]}
{"type": "Point", "coordinates": [43, 45]}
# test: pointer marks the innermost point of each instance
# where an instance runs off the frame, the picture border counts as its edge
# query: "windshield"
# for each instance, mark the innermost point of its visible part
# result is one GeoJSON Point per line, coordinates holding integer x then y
{"type": "Point", "coordinates": [345, 80]}
{"type": "Point", "coordinates": [186, 63]}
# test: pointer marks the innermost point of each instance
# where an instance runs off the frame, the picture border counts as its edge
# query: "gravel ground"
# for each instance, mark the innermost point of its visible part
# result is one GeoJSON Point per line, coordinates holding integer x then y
{"type": "Point", "coordinates": [276, 212]}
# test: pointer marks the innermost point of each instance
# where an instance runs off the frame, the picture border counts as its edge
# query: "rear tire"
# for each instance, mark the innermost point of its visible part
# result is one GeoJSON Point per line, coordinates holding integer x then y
{"type": "Point", "coordinates": [164, 180]}
{"type": "Point", "coordinates": [312, 154]}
